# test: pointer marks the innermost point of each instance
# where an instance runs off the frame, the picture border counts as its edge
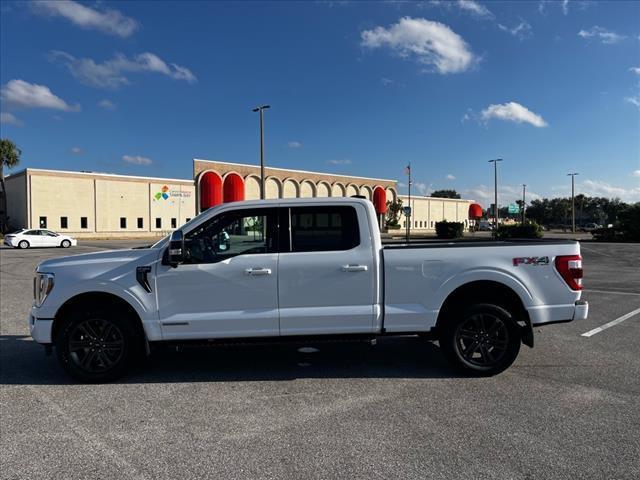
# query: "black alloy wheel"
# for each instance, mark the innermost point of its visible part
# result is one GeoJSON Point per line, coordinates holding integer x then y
{"type": "Point", "coordinates": [482, 339]}
{"type": "Point", "coordinates": [96, 345]}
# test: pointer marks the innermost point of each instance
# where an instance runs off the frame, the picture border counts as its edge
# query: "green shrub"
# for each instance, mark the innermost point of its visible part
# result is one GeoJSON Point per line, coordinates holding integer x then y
{"type": "Point", "coordinates": [528, 230]}
{"type": "Point", "coordinates": [446, 229]}
{"type": "Point", "coordinates": [607, 234]}
{"type": "Point", "coordinates": [630, 222]}
{"type": "Point", "coordinates": [393, 226]}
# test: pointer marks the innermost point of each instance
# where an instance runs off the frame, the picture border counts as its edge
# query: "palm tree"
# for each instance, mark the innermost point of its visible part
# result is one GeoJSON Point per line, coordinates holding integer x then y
{"type": "Point", "coordinates": [9, 157]}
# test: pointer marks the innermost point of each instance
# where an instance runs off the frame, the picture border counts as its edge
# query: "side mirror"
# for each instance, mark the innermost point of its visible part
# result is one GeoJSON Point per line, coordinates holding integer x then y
{"type": "Point", "coordinates": [176, 248]}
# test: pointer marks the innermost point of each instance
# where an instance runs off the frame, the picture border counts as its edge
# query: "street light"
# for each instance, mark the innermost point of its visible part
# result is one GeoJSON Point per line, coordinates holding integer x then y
{"type": "Point", "coordinates": [261, 109]}
{"type": "Point", "coordinates": [495, 191]}
{"type": "Point", "coordinates": [524, 189]}
{"type": "Point", "coordinates": [573, 203]}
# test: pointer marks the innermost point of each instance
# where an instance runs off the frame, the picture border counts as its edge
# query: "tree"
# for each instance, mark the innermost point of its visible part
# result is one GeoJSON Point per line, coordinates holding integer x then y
{"type": "Point", "coordinates": [393, 213]}
{"type": "Point", "coordinates": [445, 194]}
{"type": "Point", "coordinates": [9, 157]}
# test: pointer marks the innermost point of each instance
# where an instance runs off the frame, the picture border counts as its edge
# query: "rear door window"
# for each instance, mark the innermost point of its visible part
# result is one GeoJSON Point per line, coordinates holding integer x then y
{"type": "Point", "coordinates": [324, 228]}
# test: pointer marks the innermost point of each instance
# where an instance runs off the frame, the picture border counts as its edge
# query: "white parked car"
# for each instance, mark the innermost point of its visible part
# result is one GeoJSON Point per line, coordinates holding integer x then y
{"type": "Point", "coordinates": [38, 238]}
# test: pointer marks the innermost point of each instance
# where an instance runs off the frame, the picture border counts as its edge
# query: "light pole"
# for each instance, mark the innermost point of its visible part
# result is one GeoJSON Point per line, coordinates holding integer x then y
{"type": "Point", "coordinates": [573, 202]}
{"type": "Point", "coordinates": [524, 189]}
{"type": "Point", "coordinates": [261, 109]}
{"type": "Point", "coordinates": [495, 193]}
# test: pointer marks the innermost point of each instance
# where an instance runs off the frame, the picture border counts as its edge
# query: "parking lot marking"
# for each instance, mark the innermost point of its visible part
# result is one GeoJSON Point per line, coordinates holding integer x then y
{"type": "Point", "coordinates": [614, 292]}
{"type": "Point", "coordinates": [612, 323]}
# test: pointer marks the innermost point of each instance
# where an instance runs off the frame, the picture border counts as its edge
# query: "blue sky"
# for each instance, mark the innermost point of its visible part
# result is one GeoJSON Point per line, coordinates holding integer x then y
{"type": "Point", "coordinates": [358, 88]}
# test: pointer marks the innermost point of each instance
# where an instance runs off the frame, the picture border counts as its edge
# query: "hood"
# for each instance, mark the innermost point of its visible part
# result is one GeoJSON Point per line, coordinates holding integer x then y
{"type": "Point", "coordinates": [92, 265]}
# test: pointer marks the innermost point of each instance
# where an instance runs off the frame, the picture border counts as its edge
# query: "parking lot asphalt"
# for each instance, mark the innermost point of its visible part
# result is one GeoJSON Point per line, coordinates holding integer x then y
{"type": "Point", "coordinates": [569, 408]}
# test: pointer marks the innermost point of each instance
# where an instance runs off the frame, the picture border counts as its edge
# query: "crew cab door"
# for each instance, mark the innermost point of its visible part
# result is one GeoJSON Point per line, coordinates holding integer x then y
{"type": "Point", "coordinates": [228, 285]}
{"type": "Point", "coordinates": [326, 271]}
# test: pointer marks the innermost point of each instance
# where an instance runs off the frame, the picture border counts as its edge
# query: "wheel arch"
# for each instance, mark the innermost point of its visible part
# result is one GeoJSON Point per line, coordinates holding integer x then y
{"type": "Point", "coordinates": [102, 299]}
{"type": "Point", "coordinates": [488, 291]}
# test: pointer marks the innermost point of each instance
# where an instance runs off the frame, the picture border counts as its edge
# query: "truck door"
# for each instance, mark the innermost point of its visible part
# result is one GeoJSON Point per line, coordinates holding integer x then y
{"type": "Point", "coordinates": [325, 273]}
{"type": "Point", "coordinates": [228, 285]}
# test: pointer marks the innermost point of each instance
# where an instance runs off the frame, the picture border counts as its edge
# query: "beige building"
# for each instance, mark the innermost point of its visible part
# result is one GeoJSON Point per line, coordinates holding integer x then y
{"type": "Point", "coordinates": [96, 204]}
{"type": "Point", "coordinates": [426, 211]}
{"type": "Point", "coordinates": [88, 204]}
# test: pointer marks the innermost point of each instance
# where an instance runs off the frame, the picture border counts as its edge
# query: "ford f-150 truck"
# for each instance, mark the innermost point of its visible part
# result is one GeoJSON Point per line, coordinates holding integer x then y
{"type": "Point", "coordinates": [298, 268]}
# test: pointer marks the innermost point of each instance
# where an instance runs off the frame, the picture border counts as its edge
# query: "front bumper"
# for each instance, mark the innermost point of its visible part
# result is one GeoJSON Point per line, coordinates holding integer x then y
{"type": "Point", "coordinates": [40, 328]}
{"type": "Point", "coordinates": [547, 314]}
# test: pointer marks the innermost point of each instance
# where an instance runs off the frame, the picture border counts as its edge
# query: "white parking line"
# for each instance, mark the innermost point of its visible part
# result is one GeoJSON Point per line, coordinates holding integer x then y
{"type": "Point", "coordinates": [611, 324]}
{"type": "Point", "coordinates": [614, 292]}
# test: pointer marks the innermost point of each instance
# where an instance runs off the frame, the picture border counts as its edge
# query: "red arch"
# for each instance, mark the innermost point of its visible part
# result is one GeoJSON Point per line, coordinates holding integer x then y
{"type": "Point", "coordinates": [380, 200]}
{"type": "Point", "coordinates": [233, 188]}
{"type": "Point", "coordinates": [475, 211]}
{"type": "Point", "coordinates": [210, 190]}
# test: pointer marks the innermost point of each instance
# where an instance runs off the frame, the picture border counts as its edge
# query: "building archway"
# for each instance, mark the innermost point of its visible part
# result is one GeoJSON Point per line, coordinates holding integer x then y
{"type": "Point", "coordinates": [307, 189]}
{"type": "Point", "coordinates": [252, 187]}
{"type": "Point", "coordinates": [291, 189]}
{"type": "Point", "coordinates": [392, 196]}
{"type": "Point", "coordinates": [367, 192]}
{"type": "Point", "coordinates": [273, 187]}
{"type": "Point", "coordinates": [352, 190]}
{"type": "Point", "coordinates": [232, 188]}
{"type": "Point", "coordinates": [337, 190]}
{"type": "Point", "coordinates": [323, 189]}
{"type": "Point", "coordinates": [209, 189]}
{"type": "Point", "coordinates": [380, 200]}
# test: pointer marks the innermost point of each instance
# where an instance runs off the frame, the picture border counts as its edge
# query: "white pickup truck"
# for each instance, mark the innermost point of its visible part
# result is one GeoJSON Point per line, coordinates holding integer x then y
{"type": "Point", "coordinates": [290, 269]}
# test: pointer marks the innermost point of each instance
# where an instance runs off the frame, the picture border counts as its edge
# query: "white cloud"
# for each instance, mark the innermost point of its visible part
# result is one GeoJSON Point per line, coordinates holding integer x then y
{"type": "Point", "coordinates": [635, 100]}
{"type": "Point", "coordinates": [474, 8]}
{"type": "Point", "coordinates": [599, 33]}
{"type": "Point", "coordinates": [450, 177]}
{"type": "Point", "coordinates": [513, 112]}
{"type": "Point", "coordinates": [137, 160]}
{"type": "Point", "coordinates": [635, 173]}
{"type": "Point", "coordinates": [107, 104]}
{"type": "Point", "coordinates": [111, 73]}
{"type": "Point", "coordinates": [344, 161]}
{"type": "Point", "coordinates": [295, 144]}
{"type": "Point", "coordinates": [105, 20]}
{"type": "Point", "coordinates": [521, 31]}
{"type": "Point", "coordinates": [7, 118]}
{"type": "Point", "coordinates": [565, 7]}
{"type": "Point", "coordinates": [635, 70]}
{"type": "Point", "coordinates": [430, 43]}
{"type": "Point", "coordinates": [507, 194]}
{"type": "Point", "coordinates": [421, 188]}
{"type": "Point", "coordinates": [20, 94]}
{"type": "Point", "coordinates": [597, 188]}
{"type": "Point", "coordinates": [76, 150]}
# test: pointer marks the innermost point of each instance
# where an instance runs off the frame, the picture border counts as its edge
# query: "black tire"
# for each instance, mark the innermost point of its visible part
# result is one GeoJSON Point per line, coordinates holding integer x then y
{"type": "Point", "coordinates": [23, 244]}
{"type": "Point", "coordinates": [482, 340]}
{"type": "Point", "coordinates": [97, 345]}
{"type": "Point", "coordinates": [65, 244]}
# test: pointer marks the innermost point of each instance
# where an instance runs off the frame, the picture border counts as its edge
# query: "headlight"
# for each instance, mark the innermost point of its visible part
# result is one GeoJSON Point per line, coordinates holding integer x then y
{"type": "Point", "coordinates": [42, 285]}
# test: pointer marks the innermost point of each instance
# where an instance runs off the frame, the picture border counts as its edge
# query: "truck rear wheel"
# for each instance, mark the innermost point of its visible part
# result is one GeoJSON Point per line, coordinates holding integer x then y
{"type": "Point", "coordinates": [96, 346]}
{"type": "Point", "coordinates": [482, 340]}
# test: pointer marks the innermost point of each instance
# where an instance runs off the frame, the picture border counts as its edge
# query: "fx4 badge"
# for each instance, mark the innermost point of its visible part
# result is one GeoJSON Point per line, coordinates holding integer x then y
{"type": "Point", "coordinates": [530, 261]}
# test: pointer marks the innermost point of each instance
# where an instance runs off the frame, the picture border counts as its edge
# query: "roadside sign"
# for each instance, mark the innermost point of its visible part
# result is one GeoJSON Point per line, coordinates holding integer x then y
{"type": "Point", "coordinates": [406, 211]}
{"type": "Point", "coordinates": [514, 208]}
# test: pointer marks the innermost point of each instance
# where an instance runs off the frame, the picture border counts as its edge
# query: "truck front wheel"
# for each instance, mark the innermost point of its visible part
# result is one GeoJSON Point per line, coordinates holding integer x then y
{"type": "Point", "coordinates": [96, 346]}
{"type": "Point", "coordinates": [482, 340]}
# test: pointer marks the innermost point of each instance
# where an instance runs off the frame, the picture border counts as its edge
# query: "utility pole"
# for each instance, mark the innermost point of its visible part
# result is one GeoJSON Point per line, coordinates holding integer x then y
{"type": "Point", "coordinates": [261, 109]}
{"type": "Point", "coordinates": [524, 189]}
{"type": "Point", "coordinates": [495, 194]}
{"type": "Point", "coordinates": [573, 201]}
{"type": "Point", "coordinates": [410, 213]}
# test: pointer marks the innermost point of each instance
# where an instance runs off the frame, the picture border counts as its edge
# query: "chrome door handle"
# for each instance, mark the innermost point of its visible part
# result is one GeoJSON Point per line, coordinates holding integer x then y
{"type": "Point", "coordinates": [354, 268]}
{"type": "Point", "coordinates": [258, 271]}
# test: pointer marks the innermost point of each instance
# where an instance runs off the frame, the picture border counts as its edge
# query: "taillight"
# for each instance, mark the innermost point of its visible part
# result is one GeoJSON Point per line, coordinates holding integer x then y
{"type": "Point", "coordinates": [570, 269]}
